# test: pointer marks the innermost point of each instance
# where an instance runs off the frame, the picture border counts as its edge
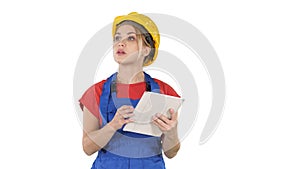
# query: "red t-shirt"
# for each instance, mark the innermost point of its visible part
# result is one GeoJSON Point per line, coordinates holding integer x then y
{"type": "Point", "coordinates": [91, 98]}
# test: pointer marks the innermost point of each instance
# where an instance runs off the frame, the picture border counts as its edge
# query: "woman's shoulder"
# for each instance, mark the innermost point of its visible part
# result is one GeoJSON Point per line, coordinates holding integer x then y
{"type": "Point", "coordinates": [93, 92]}
{"type": "Point", "coordinates": [90, 99]}
{"type": "Point", "coordinates": [98, 86]}
{"type": "Point", "coordinates": [165, 88]}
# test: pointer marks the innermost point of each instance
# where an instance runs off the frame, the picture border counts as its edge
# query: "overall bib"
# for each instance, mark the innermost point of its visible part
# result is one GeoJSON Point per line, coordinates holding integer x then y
{"type": "Point", "coordinates": [127, 150]}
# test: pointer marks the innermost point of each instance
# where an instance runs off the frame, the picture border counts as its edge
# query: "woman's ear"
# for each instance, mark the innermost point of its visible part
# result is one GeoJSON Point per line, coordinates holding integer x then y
{"type": "Point", "coordinates": [146, 51]}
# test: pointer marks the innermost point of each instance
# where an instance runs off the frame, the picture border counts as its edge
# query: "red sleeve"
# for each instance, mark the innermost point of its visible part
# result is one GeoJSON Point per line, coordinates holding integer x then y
{"type": "Point", "coordinates": [165, 88]}
{"type": "Point", "coordinates": [91, 99]}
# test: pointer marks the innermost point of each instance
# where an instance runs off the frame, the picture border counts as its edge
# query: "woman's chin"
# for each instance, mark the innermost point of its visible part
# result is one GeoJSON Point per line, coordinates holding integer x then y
{"type": "Point", "coordinates": [119, 59]}
{"type": "Point", "coordinates": [127, 60]}
{"type": "Point", "coordinates": [123, 60]}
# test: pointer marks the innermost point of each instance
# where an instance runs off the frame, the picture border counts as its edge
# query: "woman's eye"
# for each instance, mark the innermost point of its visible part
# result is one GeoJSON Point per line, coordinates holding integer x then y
{"type": "Point", "coordinates": [117, 38]}
{"type": "Point", "coordinates": [131, 38]}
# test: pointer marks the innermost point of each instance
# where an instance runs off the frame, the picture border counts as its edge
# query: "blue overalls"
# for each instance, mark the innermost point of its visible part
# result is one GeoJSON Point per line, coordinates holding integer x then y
{"type": "Point", "coordinates": [127, 150]}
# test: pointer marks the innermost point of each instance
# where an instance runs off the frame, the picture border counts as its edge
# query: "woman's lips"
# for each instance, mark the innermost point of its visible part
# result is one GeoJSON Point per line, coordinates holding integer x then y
{"type": "Point", "coordinates": [121, 52]}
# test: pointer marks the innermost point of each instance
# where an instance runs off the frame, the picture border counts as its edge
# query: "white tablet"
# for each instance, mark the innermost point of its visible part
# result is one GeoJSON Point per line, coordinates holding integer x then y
{"type": "Point", "coordinates": [150, 104]}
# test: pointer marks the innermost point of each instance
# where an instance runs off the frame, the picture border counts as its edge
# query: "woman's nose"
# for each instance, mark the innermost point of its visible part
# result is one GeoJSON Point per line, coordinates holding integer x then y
{"type": "Point", "coordinates": [121, 43]}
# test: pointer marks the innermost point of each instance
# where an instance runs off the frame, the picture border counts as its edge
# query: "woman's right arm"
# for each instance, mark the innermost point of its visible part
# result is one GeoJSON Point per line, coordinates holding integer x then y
{"type": "Point", "coordinates": [95, 138]}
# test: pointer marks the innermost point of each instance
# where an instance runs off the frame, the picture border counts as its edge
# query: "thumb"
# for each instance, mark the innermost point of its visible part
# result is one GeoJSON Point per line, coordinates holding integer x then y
{"type": "Point", "coordinates": [173, 114]}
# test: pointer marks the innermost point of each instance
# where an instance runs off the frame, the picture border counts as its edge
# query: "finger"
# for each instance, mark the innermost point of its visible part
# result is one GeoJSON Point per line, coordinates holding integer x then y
{"type": "Point", "coordinates": [158, 125]}
{"type": "Point", "coordinates": [128, 115]}
{"type": "Point", "coordinates": [162, 124]}
{"type": "Point", "coordinates": [154, 118]}
{"type": "Point", "coordinates": [124, 107]}
{"type": "Point", "coordinates": [128, 121]}
{"type": "Point", "coordinates": [155, 123]}
{"type": "Point", "coordinates": [163, 118]}
{"type": "Point", "coordinates": [126, 111]}
{"type": "Point", "coordinates": [173, 114]}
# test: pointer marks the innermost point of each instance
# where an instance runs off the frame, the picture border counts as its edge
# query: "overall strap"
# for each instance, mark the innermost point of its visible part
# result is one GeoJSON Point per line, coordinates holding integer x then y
{"type": "Point", "coordinates": [104, 98]}
{"type": "Point", "coordinates": [154, 86]}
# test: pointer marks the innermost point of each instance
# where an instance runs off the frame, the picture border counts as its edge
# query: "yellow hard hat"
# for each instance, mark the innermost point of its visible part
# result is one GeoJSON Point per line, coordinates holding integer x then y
{"type": "Point", "coordinates": [147, 23]}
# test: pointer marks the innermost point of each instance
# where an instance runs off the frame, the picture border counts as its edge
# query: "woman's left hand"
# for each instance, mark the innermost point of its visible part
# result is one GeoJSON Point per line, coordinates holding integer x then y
{"type": "Point", "coordinates": [164, 123]}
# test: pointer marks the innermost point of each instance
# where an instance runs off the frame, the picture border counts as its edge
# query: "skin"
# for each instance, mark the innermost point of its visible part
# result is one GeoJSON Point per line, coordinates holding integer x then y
{"type": "Point", "coordinates": [130, 71]}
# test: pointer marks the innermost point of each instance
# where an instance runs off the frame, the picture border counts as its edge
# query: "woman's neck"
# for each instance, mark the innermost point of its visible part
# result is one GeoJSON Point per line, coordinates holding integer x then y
{"type": "Point", "coordinates": [129, 75]}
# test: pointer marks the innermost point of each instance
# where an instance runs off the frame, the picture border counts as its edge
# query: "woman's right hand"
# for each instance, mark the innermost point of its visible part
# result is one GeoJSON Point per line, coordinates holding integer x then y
{"type": "Point", "coordinates": [122, 116]}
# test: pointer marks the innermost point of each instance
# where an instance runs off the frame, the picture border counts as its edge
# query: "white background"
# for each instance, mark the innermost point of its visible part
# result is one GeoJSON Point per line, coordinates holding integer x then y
{"type": "Point", "coordinates": [257, 43]}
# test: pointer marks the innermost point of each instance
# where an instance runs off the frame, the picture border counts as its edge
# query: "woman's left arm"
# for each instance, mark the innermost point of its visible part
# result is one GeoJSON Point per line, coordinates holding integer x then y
{"type": "Point", "coordinates": [170, 140]}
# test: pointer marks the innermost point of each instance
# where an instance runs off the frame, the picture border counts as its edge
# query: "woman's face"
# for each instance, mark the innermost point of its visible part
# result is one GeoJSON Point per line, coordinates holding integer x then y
{"type": "Point", "coordinates": [126, 48]}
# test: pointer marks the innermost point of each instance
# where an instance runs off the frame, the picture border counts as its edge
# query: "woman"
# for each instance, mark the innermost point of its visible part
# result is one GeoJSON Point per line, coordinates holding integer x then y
{"type": "Point", "coordinates": [108, 105]}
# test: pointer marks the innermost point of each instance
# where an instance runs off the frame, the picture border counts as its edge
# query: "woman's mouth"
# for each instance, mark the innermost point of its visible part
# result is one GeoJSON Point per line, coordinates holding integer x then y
{"type": "Point", "coordinates": [121, 52]}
